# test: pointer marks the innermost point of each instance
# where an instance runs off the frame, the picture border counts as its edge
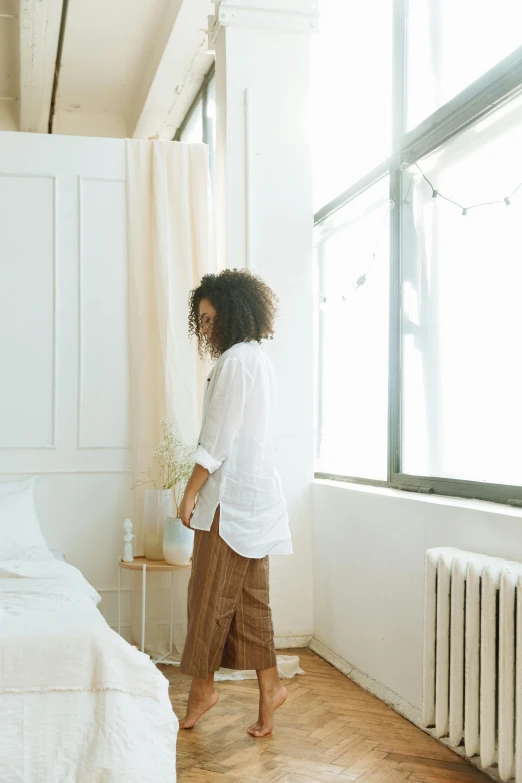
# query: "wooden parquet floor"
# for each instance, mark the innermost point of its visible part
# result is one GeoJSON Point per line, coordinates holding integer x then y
{"type": "Point", "coordinates": [329, 731]}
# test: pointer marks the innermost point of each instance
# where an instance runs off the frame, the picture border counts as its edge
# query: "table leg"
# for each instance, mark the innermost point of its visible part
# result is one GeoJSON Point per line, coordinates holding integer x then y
{"type": "Point", "coordinates": [143, 604]}
{"type": "Point", "coordinates": [119, 598]}
{"type": "Point", "coordinates": [171, 608]}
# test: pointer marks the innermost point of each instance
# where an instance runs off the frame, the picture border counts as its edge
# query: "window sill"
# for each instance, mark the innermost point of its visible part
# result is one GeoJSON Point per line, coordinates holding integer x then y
{"type": "Point", "coordinates": [483, 506]}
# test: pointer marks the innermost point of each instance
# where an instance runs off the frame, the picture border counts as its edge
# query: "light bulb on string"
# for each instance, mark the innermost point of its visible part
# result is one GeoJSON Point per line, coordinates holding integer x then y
{"type": "Point", "coordinates": [506, 200]}
{"type": "Point", "coordinates": [361, 279]}
{"type": "Point", "coordinates": [363, 269]}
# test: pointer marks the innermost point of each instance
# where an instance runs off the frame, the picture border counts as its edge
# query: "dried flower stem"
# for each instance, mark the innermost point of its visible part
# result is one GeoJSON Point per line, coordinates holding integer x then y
{"type": "Point", "coordinates": [172, 456]}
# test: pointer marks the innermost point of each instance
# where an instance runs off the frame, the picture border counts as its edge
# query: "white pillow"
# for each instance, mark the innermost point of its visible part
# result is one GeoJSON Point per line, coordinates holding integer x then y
{"type": "Point", "coordinates": [21, 537]}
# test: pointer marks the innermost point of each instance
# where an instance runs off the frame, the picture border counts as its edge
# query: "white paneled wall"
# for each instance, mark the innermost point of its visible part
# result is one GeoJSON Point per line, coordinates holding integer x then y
{"type": "Point", "coordinates": [64, 412]}
{"type": "Point", "coordinates": [103, 344]}
{"type": "Point", "coordinates": [27, 312]}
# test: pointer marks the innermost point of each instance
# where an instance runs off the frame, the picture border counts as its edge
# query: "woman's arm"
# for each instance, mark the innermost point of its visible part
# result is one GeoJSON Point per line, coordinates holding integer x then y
{"type": "Point", "coordinates": [224, 415]}
{"type": "Point", "coordinates": [223, 419]}
{"type": "Point", "coordinates": [196, 481]}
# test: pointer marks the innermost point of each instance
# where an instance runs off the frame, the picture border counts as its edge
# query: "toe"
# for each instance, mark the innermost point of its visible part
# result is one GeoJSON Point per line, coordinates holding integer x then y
{"type": "Point", "coordinates": [261, 731]}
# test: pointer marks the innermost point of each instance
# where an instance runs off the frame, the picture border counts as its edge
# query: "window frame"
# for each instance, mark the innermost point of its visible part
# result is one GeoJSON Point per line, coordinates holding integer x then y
{"type": "Point", "coordinates": [207, 134]}
{"type": "Point", "coordinates": [482, 97]}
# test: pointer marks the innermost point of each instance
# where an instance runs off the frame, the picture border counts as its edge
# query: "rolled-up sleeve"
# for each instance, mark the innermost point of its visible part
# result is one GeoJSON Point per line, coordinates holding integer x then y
{"type": "Point", "coordinates": [223, 416]}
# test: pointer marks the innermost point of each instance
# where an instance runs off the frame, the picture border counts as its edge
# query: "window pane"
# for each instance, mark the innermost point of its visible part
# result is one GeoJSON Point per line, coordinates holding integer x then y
{"type": "Point", "coordinates": [462, 319]}
{"type": "Point", "coordinates": [351, 100]}
{"type": "Point", "coordinates": [211, 127]}
{"type": "Point", "coordinates": [453, 42]}
{"type": "Point", "coordinates": [193, 130]}
{"type": "Point", "coordinates": [352, 337]}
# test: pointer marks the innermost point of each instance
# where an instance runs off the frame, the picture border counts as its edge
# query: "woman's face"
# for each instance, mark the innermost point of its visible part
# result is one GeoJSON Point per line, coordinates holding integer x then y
{"type": "Point", "coordinates": [207, 316]}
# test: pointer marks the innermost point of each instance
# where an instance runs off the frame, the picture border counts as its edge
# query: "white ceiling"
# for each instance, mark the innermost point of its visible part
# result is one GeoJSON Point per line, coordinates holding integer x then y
{"type": "Point", "coordinates": [123, 62]}
{"type": "Point", "coordinates": [106, 46]}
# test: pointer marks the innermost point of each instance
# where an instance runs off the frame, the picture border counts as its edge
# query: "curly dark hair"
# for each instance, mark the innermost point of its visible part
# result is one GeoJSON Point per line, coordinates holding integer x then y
{"type": "Point", "coordinates": [245, 310]}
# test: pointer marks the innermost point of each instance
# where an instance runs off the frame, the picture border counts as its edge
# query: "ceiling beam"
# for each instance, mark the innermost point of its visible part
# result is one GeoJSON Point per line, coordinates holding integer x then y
{"type": "Point", "coordinates": [176, 66]}
{"type": "Point", "coordinates": [39, 34]}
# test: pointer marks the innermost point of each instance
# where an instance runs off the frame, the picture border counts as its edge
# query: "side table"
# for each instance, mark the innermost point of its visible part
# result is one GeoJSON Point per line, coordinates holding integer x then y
{"type": "Point", "coordinates": [155, 566]}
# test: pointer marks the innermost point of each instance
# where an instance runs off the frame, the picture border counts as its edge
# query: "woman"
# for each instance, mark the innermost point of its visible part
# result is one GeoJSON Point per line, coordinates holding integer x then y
{"type": "Point", "coordinates": [240, 516]}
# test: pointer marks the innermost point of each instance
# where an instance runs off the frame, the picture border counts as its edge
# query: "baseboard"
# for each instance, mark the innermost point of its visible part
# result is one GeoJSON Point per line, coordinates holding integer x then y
{"type": "Point", "coordinates": [392, 699]}
{"type": "Point", "coordinates": [400, 705]}
{"type": "Point", "coordinates": [292, 642]}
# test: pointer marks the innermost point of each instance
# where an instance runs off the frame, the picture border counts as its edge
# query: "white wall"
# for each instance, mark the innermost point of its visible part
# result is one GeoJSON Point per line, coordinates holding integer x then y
{"type": "Point", "coordinates": [265, 219]}
{"type": "Point", "coordinates": [369, 547]}
{"type": "Point", "coordinates": [63, 345]}
{"type": "Point", "coordinates": [63, 342]}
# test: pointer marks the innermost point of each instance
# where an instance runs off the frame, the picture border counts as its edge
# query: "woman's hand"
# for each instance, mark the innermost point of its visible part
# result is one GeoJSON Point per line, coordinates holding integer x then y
{"type": "Point", "coordinates": [187, 508]}
{"type": "Point", "coordinates": [195, 482]}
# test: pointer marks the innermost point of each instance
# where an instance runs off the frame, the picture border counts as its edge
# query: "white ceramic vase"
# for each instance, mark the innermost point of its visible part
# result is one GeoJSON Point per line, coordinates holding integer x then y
{"type": "Point", "coordinates": [159, 504]}
{"type": "Point", "coordinates": [178, 542]}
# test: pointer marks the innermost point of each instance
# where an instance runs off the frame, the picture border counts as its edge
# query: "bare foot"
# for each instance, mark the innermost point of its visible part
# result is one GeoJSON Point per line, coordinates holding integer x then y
{"type": "Point", "coordinates": [256, 726]}
{"type": "Point", "coordinates": [197, 706]}
{"type": "Point", "coordinates": [269, 703]}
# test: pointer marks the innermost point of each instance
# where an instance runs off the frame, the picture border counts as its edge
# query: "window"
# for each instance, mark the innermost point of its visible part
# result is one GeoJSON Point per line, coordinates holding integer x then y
{"type": "Point", "coordinates": [450, 44]}
{"type": "Point", "coordinates": [193, 127]}
{"type": "Point", "coordinates": [462, 320]}
{"type": "Point", "coordinates": [351, 94]}
{"type": "Point", "coordinates": [418, 322]}
{"type": "Point", "coordinates": [199, 124]}
{"type": "Point", "coordinates": [209, 125]}
{"type": "Point", "coordinates": [353, 270]}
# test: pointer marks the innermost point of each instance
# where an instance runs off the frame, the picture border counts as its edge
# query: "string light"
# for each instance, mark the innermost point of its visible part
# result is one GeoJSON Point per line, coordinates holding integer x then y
{"type": "Point", "coordinates": [437, 194]}
{"type": "Point", "coordinates": [361, 280]}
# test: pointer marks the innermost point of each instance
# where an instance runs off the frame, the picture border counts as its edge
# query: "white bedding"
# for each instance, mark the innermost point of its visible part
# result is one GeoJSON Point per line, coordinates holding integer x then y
{"type": "Point", "coordinates": [77, 703]}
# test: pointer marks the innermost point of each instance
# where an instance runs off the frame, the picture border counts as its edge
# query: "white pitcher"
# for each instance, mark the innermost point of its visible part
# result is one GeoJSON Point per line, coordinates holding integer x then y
{"type": "Point", "coordinates": [178, 542]}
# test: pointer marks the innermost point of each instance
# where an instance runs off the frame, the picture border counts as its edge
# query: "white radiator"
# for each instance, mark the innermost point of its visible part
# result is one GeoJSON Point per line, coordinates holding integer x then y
{"type": "Point", "coordinates": [473, 656]}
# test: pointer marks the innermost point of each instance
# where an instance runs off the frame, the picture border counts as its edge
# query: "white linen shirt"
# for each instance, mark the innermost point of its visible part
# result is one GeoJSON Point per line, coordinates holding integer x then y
{"type": "Point", "coordinates": [237, 445]}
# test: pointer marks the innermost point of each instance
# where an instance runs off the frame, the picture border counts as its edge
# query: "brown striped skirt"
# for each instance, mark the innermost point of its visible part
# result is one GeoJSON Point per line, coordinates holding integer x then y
{"type": "Point", "coordinates": [229, 616]}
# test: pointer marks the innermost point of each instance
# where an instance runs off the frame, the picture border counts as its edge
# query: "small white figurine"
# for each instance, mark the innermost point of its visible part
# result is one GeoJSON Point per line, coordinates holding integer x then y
{"type": "Point", "coordinates": [127, 548]}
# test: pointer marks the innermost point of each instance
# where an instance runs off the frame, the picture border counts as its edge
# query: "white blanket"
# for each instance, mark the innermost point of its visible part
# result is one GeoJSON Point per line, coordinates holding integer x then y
{"type": "Point", "coordinates": [54, 639]}
{"type": "Point", "coordinates": [82, 737]}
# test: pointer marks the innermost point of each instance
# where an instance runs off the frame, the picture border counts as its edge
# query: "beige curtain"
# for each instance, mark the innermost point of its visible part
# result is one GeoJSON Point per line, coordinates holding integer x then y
{"type": "Point", "coordinates": [170, 247]}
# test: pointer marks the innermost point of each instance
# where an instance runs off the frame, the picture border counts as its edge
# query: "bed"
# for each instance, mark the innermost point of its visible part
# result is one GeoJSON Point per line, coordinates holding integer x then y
{"type": "Point", "coordinates": [77, 703]}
